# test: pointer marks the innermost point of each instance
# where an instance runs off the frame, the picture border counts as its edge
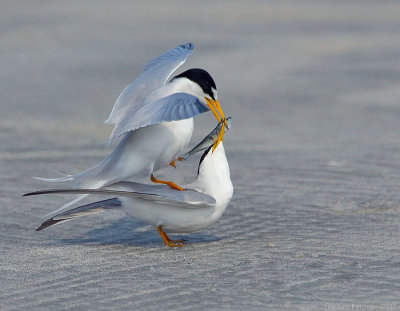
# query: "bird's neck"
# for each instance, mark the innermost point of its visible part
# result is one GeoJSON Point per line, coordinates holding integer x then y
{"type": "Point", "coordinates": [186, 86]}
{"type": "Point", "coordinates": [214, 176]}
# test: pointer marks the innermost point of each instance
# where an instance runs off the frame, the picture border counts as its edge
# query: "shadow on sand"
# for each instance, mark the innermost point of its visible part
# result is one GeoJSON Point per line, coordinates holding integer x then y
{"type": "Point", "coordinates": [130, 232]}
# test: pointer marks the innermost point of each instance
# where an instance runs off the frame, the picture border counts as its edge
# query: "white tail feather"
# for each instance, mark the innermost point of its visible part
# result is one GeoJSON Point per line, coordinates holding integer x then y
{"type": "Point", "coordinates": [68, 204]}
{"type": "Point", "coordinates": [97, 185]}
{"type": "Point", "coordinates": [58, 179]}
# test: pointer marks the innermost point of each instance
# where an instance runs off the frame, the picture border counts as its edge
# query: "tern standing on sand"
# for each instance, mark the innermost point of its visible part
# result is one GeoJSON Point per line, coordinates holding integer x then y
{"type": "Point", "coordinates": [198, 206]}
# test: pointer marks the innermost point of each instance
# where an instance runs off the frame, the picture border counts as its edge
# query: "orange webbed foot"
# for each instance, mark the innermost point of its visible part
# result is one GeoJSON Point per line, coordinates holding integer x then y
{"type": "Point", "coordinates": [168, 241]}
{"type": "Point", "coordinates": [171, 184]}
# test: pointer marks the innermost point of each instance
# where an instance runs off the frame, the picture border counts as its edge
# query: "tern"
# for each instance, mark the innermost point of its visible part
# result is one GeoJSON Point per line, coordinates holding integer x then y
{"type": "Point", "coordinates": [198, 206]}
{"type": "Point", "coordinates": [153, 122]}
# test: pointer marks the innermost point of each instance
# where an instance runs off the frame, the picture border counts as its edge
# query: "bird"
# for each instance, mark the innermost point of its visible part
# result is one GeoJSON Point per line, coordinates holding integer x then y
{"type": "Point", "coordinates": [198, 206]}
{"type": "Point", "coordinates": [153, 123]}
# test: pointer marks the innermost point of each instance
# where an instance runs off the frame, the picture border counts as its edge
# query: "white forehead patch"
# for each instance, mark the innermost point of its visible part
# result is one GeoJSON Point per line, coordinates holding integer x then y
{"type": "Point", "coordinates": [214, 93]}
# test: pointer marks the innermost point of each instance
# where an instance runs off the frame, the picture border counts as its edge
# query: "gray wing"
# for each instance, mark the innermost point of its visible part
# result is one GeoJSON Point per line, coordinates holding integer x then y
{"type": "Point", "coordinates": [80, 211]}
{"type": "Point", "coordinates": [157, 193]}
{"type": "Point", "coordinates": [154, 75]}
{"type": "Point", "coordinates": [164, 194]}
{"type": "Point", "coordinates": [174, 107]}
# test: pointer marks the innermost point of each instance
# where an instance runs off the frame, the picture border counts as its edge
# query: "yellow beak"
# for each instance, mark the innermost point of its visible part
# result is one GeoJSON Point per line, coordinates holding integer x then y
{"type": "Point", "coordinates": [215, 107]}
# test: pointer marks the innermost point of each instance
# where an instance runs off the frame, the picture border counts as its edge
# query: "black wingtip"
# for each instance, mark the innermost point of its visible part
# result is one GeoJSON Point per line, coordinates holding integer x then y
{"type": "Point", "coordinates": [34, 193]}
{"type": "Point", "coordinates": [48, 223]}
{"type": "Point", "coordinates": [47, 191]}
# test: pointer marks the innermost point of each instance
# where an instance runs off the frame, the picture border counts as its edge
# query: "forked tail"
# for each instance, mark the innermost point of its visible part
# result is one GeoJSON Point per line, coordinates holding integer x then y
{"type": "Point", "coordinates": [97, 185]}
{"type": "Point", "coordinates": [79, 180]}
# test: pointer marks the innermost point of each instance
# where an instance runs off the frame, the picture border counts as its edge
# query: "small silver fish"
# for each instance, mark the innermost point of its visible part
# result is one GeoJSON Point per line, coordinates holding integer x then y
{"type": "Point", "coordinates": [207, 141]}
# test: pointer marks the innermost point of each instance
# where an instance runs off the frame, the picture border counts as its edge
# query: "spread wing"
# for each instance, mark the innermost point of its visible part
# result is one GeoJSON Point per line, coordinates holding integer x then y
{"type": "Point", "coordinates": [154, 75]}
{"type": "Point", "coordinates": [157, 193]}
{"type": "Point", "coordinates": [174, 107]}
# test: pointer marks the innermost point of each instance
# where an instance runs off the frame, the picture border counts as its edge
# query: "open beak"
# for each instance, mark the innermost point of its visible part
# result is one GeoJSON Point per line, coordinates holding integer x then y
{"type": "Point", "coordinates": [219, 115]}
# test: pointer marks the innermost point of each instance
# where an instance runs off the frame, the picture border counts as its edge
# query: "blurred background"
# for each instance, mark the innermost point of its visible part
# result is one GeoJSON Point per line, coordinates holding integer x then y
{"type": "Point", "coordinates": [313, 88]}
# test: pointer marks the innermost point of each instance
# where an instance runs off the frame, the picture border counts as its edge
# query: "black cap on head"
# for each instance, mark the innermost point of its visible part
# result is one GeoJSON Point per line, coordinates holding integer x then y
{"type": "Point", "coordinates": [202, 78]}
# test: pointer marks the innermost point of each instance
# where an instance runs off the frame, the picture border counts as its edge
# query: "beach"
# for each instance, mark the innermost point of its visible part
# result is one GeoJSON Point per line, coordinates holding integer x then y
{"type": "Point", "coordinates": [313, 89]}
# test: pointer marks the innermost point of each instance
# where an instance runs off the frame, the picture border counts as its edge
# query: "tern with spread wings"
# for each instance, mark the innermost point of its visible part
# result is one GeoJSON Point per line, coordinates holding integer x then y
{"type": "Point", "coordinates": [198, 206]}
{"type": "Point", "coordinates": [153, 122]}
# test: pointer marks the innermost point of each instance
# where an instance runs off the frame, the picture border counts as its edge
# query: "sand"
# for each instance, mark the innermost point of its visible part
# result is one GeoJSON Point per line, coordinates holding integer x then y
{"type": "Point", "coordinates": [313, 89]}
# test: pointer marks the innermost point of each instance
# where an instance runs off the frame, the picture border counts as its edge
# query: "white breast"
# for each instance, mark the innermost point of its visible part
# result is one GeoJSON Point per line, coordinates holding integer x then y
{"type": "Point", "coordinates": [175, 137]}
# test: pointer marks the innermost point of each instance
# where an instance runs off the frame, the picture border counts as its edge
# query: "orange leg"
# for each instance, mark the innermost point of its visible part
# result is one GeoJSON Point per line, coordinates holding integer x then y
{"type": "Point", "coordinates": [172, 163]}
{"type": "Point", "coordinates": [168, 241]}
{"type": "Point", "coordinates": [169, 183]}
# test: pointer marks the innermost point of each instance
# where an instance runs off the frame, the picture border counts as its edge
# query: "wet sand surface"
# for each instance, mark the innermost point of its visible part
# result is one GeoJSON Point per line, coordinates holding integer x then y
{"type": "Point", "coordinates": [314, 150]}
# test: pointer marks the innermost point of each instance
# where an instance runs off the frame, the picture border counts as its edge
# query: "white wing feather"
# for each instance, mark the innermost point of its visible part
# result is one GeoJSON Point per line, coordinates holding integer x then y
{"type": "Point", "coordinates": [174, 107]}
{"type": "Point", "coordinates": [153, 76]}
{"type": "Point", "coordinates": [157, 193]}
